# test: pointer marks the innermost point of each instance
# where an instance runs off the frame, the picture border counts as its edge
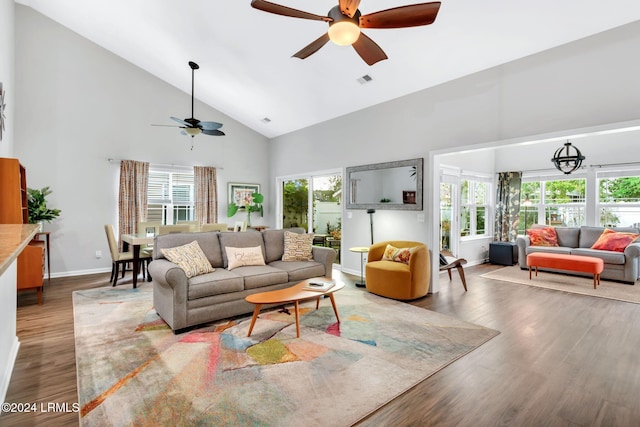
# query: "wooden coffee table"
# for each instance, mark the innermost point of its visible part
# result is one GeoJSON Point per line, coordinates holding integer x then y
{"type": "Point", "coordinates": [294, 294]}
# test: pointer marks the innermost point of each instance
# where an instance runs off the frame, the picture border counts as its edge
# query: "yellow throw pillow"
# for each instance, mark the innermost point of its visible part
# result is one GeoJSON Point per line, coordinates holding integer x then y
{"type": "Point", "coordinates": [403, 255]}
{"type": "Point", "coordinates": [297, 247]}
{"type": "Point", "coordinates": [190, 258]}
{"type": "Point", "coordinates": [239, 257]}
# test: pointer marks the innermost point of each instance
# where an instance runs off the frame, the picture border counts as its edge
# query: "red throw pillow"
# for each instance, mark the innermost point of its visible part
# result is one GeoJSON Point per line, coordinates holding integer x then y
{"type": "Point", "coordinates": [611, 240]}
{"type": "Point", "coordinates": [543, 236]}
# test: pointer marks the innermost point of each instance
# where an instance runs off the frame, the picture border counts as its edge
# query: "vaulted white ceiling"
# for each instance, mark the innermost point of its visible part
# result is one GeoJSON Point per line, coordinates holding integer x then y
{"type": "Point", "coordinates": [247, 72]}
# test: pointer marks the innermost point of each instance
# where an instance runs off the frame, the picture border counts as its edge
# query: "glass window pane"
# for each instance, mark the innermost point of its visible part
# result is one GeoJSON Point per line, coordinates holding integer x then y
{"type": "Point", "coordinates": [620, 216]}
{"type": "Point", "coordinates": [465, 221]}
{"type": "Point", "coordinates": [480, 220]}
{"type": "Point", "coordinates": [528, 217]}
{"type": "Point", "coordinates": [565, 191]}
{"type": "Point", "coordinates": [565, 216]}
{"type": "Point", "coordinates": [464, 191]}
{"type": "Point", "coordinates": [445, 216]}
{"type": "Point", "coordinates": [480, 192]}
{"type": "Point", "coordinates": [620, 190]}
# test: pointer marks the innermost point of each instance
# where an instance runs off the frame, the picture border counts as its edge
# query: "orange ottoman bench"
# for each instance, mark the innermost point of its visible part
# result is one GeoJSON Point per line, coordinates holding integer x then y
{"type": "Point", "coordinates": [582, 264]}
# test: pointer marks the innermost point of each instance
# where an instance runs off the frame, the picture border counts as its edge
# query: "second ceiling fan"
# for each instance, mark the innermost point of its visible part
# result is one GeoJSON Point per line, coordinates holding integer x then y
{"type": "Point", "coordinates": [192, 126]}
{"type": "Point", "coordinates": [345, 21]}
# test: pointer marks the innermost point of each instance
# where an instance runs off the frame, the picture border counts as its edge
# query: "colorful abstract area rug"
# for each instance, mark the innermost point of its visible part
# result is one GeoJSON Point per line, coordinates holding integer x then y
{"type": "Point", "coordinates": [132, 370]}
{"type": "Point", "coordinates": [568, 283]}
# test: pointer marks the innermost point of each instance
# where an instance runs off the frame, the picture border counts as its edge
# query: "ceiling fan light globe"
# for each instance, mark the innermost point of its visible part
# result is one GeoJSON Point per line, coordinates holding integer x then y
{"type": "Point", "coordinates": [344, 33]}
{"type": "Point", "coordinates": [193, 131]}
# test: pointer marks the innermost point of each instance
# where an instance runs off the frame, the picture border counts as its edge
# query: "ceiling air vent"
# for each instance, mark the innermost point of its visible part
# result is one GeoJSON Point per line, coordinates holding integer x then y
{"type": "Point", "coordinates": [266, 120]}
{"type": "Point", "coordinates": [364, 79]}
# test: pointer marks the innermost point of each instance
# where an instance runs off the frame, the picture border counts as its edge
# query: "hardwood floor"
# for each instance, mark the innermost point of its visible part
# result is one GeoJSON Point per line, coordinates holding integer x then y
{"type": "Point", "coordinates": [561, 359]}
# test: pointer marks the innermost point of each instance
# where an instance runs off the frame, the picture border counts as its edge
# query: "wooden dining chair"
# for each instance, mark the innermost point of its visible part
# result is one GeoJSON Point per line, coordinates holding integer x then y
{"type": "Point", "coordinates": [217, 226]}
{"type": "Point", "coordinates": [122, 258]}
{"type": "Point", "coordinates": [148, 227]}
{"type": "Point", "coordinates": [449, 262]}
{"type": "Point", "coordinates": [176, 228]}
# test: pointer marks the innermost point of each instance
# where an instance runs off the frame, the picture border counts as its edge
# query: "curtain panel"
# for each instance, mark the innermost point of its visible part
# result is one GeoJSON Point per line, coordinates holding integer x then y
{"type": "Point", "coordinates": [132, 199]}
{"type": "Point", "coordinates": [507, 206]}
{"type": "Point", "coordinates": [206, 197]}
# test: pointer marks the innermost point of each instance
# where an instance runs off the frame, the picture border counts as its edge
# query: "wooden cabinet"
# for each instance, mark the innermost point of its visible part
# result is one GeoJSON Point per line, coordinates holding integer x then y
{"type": "Point", "coordinates": [14, 210]}
{"type": "Point", "coordinates": [13, 192]}
{"type": "Point", "coordinates": [31, 268]}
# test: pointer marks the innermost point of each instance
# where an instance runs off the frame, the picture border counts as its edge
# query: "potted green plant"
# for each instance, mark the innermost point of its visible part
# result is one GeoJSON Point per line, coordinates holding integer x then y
{"type": "Point", "coordinates": [256, 206]}
{"type": "Point", "coordinates": [37, 206]}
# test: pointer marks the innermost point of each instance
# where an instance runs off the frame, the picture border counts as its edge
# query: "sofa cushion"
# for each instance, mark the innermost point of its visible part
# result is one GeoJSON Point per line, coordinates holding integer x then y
{"type": "Point", "coordinates": [297, 247]}
{"type": "Point", "coordinates": [609, 257]}
{"type": "Point", "coordinates": [300, 270]}
{"type": "Point", "coordinates": [243, 239]}
{"type": "Point", "coordinates": [190, 258]}
{"type": "Point", "coordinates": [274, 243]}
{"type": "Point", "coordinates": [219, 282]}
{"type": "Point", "coordinates": [208, 243]}
{"type": "Point", "coordinates": [589, 235]}
{"type": "Point", "coordinates": [549, 249]}
{"type": "Point", "coordinates": [543, 236]}
{"type": "Point", "coordinates": [568, 236]}
{"type": "Point", "coordinates": [257, 276]}
{"type": "Point", "coordinates": [239, 257]}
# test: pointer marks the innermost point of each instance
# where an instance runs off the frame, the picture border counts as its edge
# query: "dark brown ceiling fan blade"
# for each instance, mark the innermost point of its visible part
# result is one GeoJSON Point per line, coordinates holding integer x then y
{"type": "Point", "coordinates": [312, 47]}
{"type": "Point", "coordinates": [349, 7]}
{"type": "Point", "coordinates": [400, 17]}
{"type": "Point", "coordinates": [286, 11]}
{"type": "Point", "coordinates": [368, 50]}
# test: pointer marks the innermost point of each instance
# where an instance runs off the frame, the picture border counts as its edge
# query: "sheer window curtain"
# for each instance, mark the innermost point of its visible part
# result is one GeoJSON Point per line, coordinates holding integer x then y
{"type": "Point", "coordinates": [206, 197]}
{"type": "Point", "coordinates": [132, 200]}
{"type": "Point", "coordinates": [508, 206]}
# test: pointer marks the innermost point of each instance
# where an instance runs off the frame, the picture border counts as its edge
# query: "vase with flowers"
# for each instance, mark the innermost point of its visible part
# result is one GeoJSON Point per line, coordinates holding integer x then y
{"type": "Point", "coordinates": [255, 206]}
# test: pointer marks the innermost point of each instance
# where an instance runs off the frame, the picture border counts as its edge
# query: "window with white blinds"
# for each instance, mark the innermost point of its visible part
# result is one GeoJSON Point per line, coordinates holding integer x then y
{"type": "Point", "coordinates": [170, 196]}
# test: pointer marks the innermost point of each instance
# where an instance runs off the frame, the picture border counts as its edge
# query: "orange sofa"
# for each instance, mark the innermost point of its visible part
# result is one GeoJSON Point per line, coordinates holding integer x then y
{"type": "Point", "coordinates": [395, 279]}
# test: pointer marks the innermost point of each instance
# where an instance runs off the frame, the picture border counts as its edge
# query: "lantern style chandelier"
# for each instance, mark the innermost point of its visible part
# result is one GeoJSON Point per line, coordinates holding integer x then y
{"type": "Point", "coordinates": [567, 159]}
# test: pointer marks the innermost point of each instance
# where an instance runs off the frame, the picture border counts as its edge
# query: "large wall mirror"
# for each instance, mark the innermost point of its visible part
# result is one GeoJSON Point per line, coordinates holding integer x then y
{"type": "Point", "coordinates": [391, 185]}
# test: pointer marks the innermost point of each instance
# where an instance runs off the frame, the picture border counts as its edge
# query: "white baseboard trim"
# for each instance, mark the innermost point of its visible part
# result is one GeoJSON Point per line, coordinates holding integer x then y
{"type": "Point", "coordinates": [350, 271]}
{"type": "Point", "coordinates": [6, 376]}
{"type": "Point", "coordinates": [79, 272]}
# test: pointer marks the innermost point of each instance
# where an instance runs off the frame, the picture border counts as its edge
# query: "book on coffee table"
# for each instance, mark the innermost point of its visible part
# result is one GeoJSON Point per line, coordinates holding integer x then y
{"type": "Point", "coordinates": [319, 284]}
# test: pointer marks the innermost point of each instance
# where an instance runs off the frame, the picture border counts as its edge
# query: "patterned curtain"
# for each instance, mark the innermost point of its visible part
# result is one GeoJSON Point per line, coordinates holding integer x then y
{"type": "Point", "coordinates": [132, 201]}
{"type": "Point", "coordinates": [206, 184]}
{"type": "Point", "coordinates": [507, 206]}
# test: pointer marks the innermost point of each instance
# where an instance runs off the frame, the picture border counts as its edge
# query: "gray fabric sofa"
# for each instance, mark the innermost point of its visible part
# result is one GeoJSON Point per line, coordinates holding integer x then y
{"type": "Point", "coordinates": [184, 303]}
{"type": "Point", "coordinates": [620, 266]}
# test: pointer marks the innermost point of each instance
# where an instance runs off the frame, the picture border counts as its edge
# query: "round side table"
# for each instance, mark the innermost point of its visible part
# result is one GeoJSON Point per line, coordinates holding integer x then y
{"type": "Point", "coordinates": [362, 250]}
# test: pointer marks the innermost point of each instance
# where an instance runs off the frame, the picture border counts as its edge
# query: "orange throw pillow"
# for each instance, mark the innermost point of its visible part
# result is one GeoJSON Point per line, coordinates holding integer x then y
{"type": "Point", "coordinates": [544, 236]}
{"type": "Point", "coordinates": [611, 240]}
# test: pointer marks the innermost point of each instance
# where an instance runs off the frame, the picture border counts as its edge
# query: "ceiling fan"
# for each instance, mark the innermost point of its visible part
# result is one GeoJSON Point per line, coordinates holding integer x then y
{"type": "Point", "coordinates": [192, 126]}
{"type": "Point", "coordinates": [345, 21]}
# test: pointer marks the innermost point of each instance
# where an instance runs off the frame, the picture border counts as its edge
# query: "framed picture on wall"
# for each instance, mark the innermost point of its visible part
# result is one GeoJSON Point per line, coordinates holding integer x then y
{"type": "Point", "coordinates": [240, 193]}
{"type": "Point", "coordinates": [409, 197]}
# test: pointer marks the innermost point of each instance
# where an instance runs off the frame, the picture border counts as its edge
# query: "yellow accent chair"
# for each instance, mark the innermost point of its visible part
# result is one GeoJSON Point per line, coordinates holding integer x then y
{"type": "Point", "coordinates": [398, 280]}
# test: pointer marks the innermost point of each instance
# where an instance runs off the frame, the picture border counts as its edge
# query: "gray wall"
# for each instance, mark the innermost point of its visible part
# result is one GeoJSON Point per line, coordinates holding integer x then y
{"type": "Point", "coordinates": [78, 105]}
{"type": "Point", "coordinates": [7, 73]}
{"type": "Point", "coordinates": [585, 83]}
